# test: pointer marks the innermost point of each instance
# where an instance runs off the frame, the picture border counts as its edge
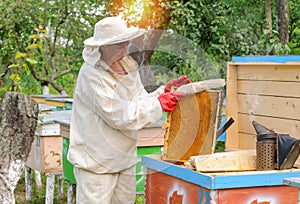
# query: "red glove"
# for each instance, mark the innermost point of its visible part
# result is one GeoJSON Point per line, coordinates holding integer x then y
{"type": "Point", "coordinates": [168, 101]}
{"type": "Point", "coordinates": [177, 83]}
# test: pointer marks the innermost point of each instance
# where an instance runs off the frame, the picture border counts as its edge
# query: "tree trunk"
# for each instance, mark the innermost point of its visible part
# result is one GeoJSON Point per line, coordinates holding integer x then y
{"type": "Point", "coordinates": [155, 17]}
{"type": "Point", "coordinates": [46, 90]}
{"type": "Point", "coordinates": [18, 119]}
{"type": "Point", "coordinates": [269, 15]}
{"type": "Point", "coordinates": [141, 50]}
{"type": "Point", "coordinates": [282, 20]}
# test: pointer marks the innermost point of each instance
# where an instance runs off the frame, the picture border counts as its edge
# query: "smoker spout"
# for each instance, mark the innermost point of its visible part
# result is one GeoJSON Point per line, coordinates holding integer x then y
{"type": "Point", "coordinates": [260, 129]}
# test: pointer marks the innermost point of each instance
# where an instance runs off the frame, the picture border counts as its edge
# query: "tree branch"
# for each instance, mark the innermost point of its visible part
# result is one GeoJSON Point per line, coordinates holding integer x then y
{"type": "Point", "coordinates": [29, 12]}
{"type": "Point", "coordinates": [35, 75]}
{"type": "Point", "coordinates": [62, 73]}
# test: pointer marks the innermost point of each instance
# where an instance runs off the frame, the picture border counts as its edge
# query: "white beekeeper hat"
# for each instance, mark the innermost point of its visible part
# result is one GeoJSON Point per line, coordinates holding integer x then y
{"type": "Point", "coordinates": [112, 30]}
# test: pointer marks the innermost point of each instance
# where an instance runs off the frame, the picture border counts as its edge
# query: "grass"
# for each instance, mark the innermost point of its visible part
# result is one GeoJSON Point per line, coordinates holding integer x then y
{"type": "Point", "coordinates": [140, 199]}
{"type": "Point", "coordinates": [38, 194]}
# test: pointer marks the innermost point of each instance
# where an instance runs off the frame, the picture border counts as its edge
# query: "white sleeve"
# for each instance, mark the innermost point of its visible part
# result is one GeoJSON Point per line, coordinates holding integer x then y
{"type": "Point", "coordinates": [120, 111]}
{"type": "Point", "coordinates": [129, 115]}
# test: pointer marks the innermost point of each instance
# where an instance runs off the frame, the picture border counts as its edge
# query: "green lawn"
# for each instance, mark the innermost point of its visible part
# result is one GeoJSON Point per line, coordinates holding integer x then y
{"type": "Point", "coordinates": [38, 195]}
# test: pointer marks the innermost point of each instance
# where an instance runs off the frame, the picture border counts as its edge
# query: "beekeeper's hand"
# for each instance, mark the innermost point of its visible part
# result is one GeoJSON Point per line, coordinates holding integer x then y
{"type": "Point", "coordinates": [177, 83]}
{"type": "Point", "coordinates": [168, 101]}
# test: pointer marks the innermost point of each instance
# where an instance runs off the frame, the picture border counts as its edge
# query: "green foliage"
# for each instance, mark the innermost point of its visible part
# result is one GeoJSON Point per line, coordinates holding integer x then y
{"type": "Point", "coordinates": [178, 55]}
{"type": "Point", "coordinates": [223, 29]}
{"type": "Point", "coordinates": [203, 22]}
{"type": "Point", "coordinates": [171, 66]}
{"type": "Point", "coordinates": [295, 43]}
{"type": "Point", "coordinates": [140, 199]}
{"type": "Point", "coordinates": [68, 25]}
{"type": "Point", "coordinates": [220, 146]}
{"type": "Point", "coordinates": [38, 194]}
{"type": "Point", "coordinates": [294, 29]}
{"type": "Point", "coordinates": [271, 45]}
{"type": "Point", "coordinates": [220, 29]}
{"type": "Point", "coordinates": [19, 69]}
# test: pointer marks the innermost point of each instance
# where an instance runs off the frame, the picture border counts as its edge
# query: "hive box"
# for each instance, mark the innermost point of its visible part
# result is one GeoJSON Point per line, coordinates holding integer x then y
{"type": "Point", "coordinates": [169, 183]}
{"type": "Point", "coordinates": [45, 154]}
{"type": "Point", "coordinates": [264, 89]}
{"type": "Point", "coordinates": [46, 150]}
{"type": "Point", "coordinates": [58, 102]}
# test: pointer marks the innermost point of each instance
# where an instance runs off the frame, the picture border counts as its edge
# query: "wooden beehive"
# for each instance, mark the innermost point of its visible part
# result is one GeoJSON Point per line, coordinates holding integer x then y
{"type": "Point", "coordinates": [265, 90]}
{"type": "Point", "coordinates": [56, 102]}
{"type": "Point", "coordinates": [191, 129]}
{"type": "Point", "coordinates": [169, 182]}
{"type": "Point", "coordinates": [46, 150]}
{"type": "Point", "coordinates": [45, 155]}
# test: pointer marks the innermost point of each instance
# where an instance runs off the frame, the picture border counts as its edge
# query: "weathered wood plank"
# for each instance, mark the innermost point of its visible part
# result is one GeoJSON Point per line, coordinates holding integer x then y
{"type": "Point", "coordinates": [284, 126]}
{"type": "Point", "coordinates": [231, 107]}
{"type": "Point", "coordinates": [65, 130]}
{"type": "Point", "coordinates": [50, 178]}
{"type": "Point", "coordinates": [52, 155]}
{"type": "Point", "coordinates": [49, 129]}
{"type": "Point", "coordinates": [271, 88]}
{"type": "Point", "coordinates": [35, 155]}
{"type": "Point", "coordinates": [246, 141]}
{"type": "Point", "coordinates": [279, 107]}
{"type": "Point", "coordinates": [53, 102]}
{"type": "Point", "coordinates": [151, 137]}
{"type": "Point", "coordinates": [28, 183]}
{"type": "Point", "coordinates": [71, 193]}
{"type": "Point", "coordinates": [38, 179]}
{"type": "Point", "coordinates": [273, 72]}
{"type": "Point", "coordinates": [60, 189]}
{"type": "Point", "coordinates": [242, 160]}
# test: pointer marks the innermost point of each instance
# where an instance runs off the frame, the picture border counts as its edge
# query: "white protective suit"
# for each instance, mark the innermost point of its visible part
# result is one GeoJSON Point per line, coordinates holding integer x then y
{"type": "Point", "coordinates": [108, 110]}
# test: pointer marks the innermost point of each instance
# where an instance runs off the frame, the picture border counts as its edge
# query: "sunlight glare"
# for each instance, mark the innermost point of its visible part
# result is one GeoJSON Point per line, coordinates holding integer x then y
{"type": "Point", "coordinates": [135, 10]}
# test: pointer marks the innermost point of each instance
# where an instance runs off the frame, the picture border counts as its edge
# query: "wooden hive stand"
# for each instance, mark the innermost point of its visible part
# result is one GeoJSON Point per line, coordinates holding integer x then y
{"type": "Point", "coordinates": [46, 154]}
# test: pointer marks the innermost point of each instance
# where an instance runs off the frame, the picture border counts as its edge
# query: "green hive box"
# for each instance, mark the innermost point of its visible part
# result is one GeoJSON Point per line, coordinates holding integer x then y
{"type": "Point", "coordinates": [67, 166]}
{"type": "Point", "coordinates": [141, 170]}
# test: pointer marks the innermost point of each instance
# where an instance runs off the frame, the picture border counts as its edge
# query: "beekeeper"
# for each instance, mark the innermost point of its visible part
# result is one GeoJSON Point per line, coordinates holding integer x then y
{"type": "Point", "coordinates": [110, 105]}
